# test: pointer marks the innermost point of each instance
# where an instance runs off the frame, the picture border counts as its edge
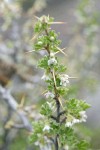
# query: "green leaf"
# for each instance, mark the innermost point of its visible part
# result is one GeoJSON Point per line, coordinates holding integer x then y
{"type": "Point", "coordinates": [74, 106]}
{"type": "Point", "coordinates": [62, 90]}
{"type": "Point", "coordinates": [53, 33]}
{"type": "Point", "coordinates": [82, 145]}
{"type": "Point", "coordinates": [33, 138]}
{"type": "Point", "coordinates": [53, 48]}
{"type": "Point", "coordinates": [38, 27]}
{"type": "Point", "coordinates": [50, 84]}
{"type": "Point", "coordinates": [42, 42]}
{"type": "Point", "coordinates": [45, 109]}
{"type": "Point", "coordinates": [57, 82]}
{"type": "Point", "coordinates": [67, 135]}
{"type": "Point", "coordinates": [84, 105]}
{"type": "Point", "coordinates": [43, 63]}
{"type": "Point", "coordinates": [37, 129]}
{"type": "Point", "coordinates": [60, 68]}
{"type": "Point", "coordinates": [38, 126]}
{"type": "Point", "coordinates": [54, 127]}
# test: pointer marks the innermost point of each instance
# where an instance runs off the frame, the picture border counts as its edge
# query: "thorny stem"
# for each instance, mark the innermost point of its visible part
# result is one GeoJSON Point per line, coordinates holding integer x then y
{"type": "Point", "coordinates": [62, 112]}
{"type": "Point", "coordinates": [57, 118]}
{"type": "Point", "coordinates": [58, 121]}
{"type": "Point", "coordinates": [56, 83]}
{"type": "Point", "coordinates": [56, 143]}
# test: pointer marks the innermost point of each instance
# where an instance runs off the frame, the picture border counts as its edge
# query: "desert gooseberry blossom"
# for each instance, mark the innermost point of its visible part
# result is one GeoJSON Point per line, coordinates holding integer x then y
{"type": "Point", "coordinates": [83, 116]}
{"type": "Point", "coordinates": [46, 128]}
{"type": "Point", "coordinates": [52, 61]}
{"type": "Point", "coordinates": [68, 124]}
{"type": "Point", "coordinates": [66, 147]}
{"type": "Point", "coordinates": [45, 77]}
{"type": "Point", "coordinates": [64, 79]}
{"type": "Point", "coordinates": [75, 121]}
{"type": "Point", "coordinates": [49, 95]}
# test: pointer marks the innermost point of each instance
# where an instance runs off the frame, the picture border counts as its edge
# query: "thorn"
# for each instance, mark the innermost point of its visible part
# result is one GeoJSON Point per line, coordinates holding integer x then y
{"type": "Point", "coordinates": [44, 92]}
{"type": "Point", "coordinates": [30, 51]}
{"type": "Point", "coordinates": [51, 22]}
{"type": "Point", "coordinates": [54, 77]}
{"type": "Point", "coordinates": [61, 103]}
{"type": "Point", "coordinates": [73, 77]}
{"type": "Point", "coordinates": [29, 133]}
{"type": "Point", "coordinates": [34, 37]}
{"type": "Point", "coordinates": [22, 102]}
{"type": "Point", "coordinates": [57, 23]}
{"type": "Point", "coordinates": [61, 50]}
{"type": "Point", "coordinates": [37, 17]}
{"type": "Point", "coordinates": [9, 124]}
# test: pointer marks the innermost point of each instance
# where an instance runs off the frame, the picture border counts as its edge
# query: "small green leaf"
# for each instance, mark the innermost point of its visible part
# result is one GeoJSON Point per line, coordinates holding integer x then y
{"type": "Point", "coordinates": [75, 106]}
{"type": "Point", "coordinates": [60, 68]}
{"type": "Point", "coordinates": [62, 90]}
{"type": "Point", "coordinates": [54, 127]}
{"type": "Point", "coordinates": [37, 129]}
{"type": "Point", "coordinates": [43, 63]}
{"type": "Point", "coordinates": [46, 110]}
{"type": "Point", "coordinates": [82, 145]}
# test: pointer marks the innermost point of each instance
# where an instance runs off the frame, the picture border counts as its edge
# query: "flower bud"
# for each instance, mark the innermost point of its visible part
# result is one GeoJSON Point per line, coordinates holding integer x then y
{"type": "Point", "coordinates": [52, 54]}
{"type": "Point", "coordinates": [52, 61]}
{"type": "Point", "coordinates": [40, 43]}
{"type": "Point", "coordinates": [52, 38]}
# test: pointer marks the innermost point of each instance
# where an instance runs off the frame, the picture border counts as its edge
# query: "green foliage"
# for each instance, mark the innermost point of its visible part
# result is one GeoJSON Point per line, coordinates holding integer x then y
{"type": "Point", "coordinates": [45, 24]}
{"type": "Point", "coordinates": [38, 129]}
{"type": "Point", "coordinates": [75, 106]}
{"type": "Point", "coordinates": [60, 68]}
{"type": "Point", "coordinates": [46, 109]}
{"type": "Point", "coordinates": [66, 135]}
{"type": "Point", "coordinates": [62, 90]}
{"type": "Point", "coordinates": [83, 145]}
{"type": "Point", "coordinates": [43, 63]}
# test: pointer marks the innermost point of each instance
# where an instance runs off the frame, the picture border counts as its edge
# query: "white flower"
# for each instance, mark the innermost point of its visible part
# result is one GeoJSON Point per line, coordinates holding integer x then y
{"type": "Point", "coordinates": [66, 147]}
{"type": "Point", "coordinates": [64, 79]}
{"type": "Point", "coordinates": [37, 143]}
{"type": "Point", "coordinates": [52, 54]}
{"type": "Point", "coordinates": [46, 128]}
{"type": "Point", "coordinates": [68, 124]}
{"type": "Point", "coordinates": [75, 121]}
{"type": "Point", "coordinates": [52, 38]}
{"type": "Point", "coordinates": [49, 95]}
{"type": "Point", "coordinates": [45, 77]}
{"type": "Point", "coordinates": [83, 116]}
{"type": "Point", "coordinates": [40, 43]}
{"type": "Point", "coordinates": [52, 61]}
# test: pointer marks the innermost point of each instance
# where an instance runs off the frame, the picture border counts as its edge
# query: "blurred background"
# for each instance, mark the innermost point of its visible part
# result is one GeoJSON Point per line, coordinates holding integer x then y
{"type": "Point", "coordinates": [20, 79]}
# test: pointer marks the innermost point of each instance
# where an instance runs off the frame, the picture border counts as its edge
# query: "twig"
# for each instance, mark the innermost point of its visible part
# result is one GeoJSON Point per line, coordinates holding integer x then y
{"type": "Point", "coordinates": [14, 106]}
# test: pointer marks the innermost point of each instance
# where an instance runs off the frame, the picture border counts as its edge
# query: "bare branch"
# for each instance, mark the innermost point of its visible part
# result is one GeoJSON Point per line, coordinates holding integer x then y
{"type": "Point", "coordinates": [9, 99]}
